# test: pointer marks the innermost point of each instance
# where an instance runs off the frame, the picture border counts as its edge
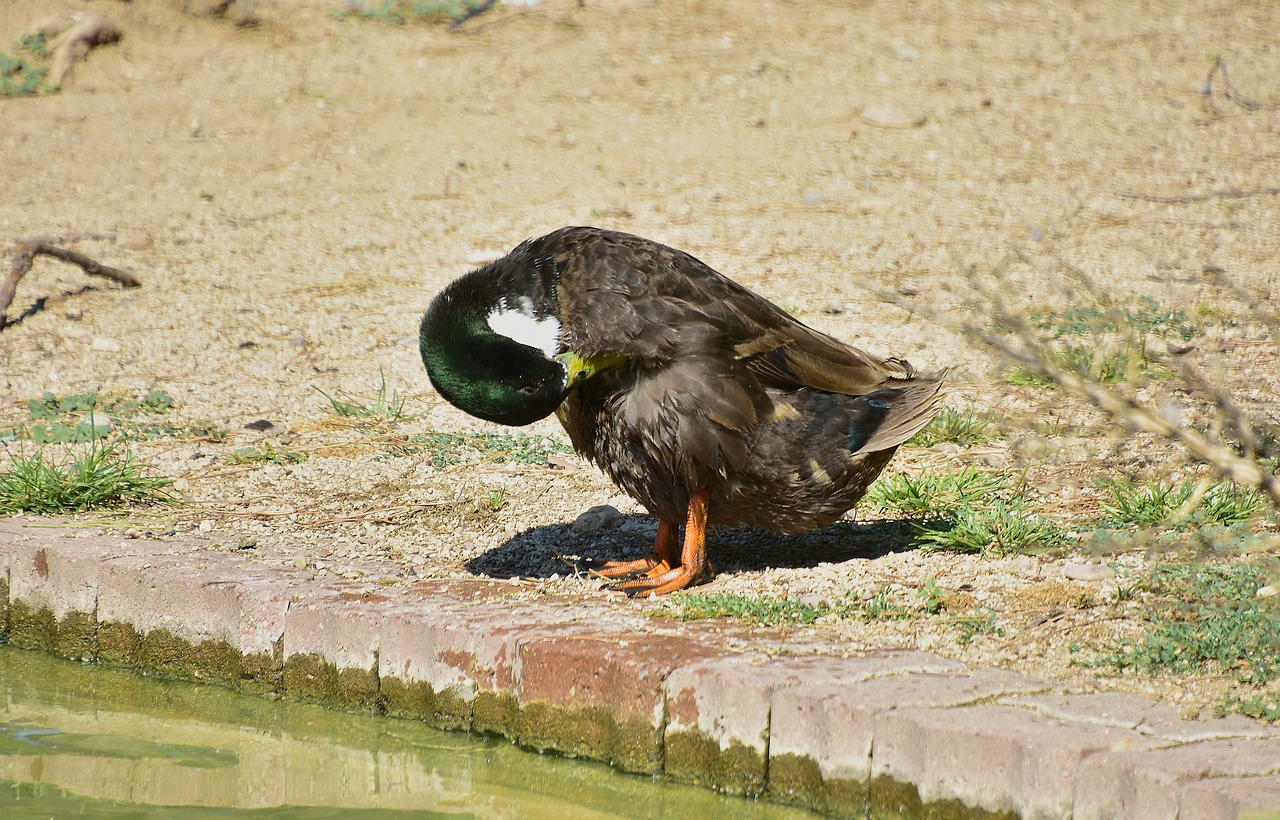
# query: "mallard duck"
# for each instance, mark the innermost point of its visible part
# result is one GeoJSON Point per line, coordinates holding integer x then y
{"type": "Point", "coordinates": [703, 401]}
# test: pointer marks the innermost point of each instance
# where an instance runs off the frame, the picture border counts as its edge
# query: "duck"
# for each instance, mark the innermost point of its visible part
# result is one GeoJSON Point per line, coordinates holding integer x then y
{"type": "Point", "coordinates": [703, 401]}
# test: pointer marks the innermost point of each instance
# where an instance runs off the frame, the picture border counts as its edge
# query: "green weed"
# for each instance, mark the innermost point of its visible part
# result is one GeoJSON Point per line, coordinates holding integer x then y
{"type": "Point", "coordinates": [1161, 503]}
{"type": "Point", "coordinates": [1205, 619]}
{"type": "Point", "coordinates": [963, 427]}
{"type": "Point", "coordinates": [933, 493]}
{"type": "Point", "coordinates": [102, 476]}
{"type": "Point", "coordinates": [24, 75]}
{"type": "Point", "coordinates": [877, 606]}
{"type": "Point", "coordinates": [387, 407]}
{"type": "Point", "coordinates": [1147, 317]}
{"type": "Point", "coordinates": [133, 416]}
{"type": "Point", "coordinates": [691, 606]}
{"type": "Point", "coordinates": [448, 449]}
{"type": "Point", "coordinates": [979, 621]}
{"type": "Point", "coordinates": [268, 453]}
{"type": "Point", "coordinates": [398, 12]}
{"type": "Point", "coordinates": [1261, 707]}
{"type": "Point", "coordinates": [932, 599]}
{"type": "Point", "coordinates": [1003, 528]}
{"type": "Point", "coordinates": [1101, 363]}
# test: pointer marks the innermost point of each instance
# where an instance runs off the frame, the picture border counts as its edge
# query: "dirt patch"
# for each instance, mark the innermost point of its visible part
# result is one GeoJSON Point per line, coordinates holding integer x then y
{"type": "Point", "coordinates": [292, 194]}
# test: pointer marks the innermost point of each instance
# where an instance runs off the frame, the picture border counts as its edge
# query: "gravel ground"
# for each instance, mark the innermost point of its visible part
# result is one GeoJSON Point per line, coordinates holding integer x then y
{"type": "Point", "coordinates": [293, 193]}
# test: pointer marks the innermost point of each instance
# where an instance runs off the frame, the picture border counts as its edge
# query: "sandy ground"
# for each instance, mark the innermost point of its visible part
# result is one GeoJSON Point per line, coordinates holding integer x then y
{"type": "Point", "coordinates": [293, 193]}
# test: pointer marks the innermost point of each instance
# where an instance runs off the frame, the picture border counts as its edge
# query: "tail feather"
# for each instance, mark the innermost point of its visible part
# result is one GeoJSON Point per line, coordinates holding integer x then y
{"type": "Point", "coordinates": [911, 408]}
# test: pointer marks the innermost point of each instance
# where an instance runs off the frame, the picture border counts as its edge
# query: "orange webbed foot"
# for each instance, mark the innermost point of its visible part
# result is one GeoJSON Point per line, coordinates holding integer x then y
{"type": "Point", "coordinates": [623, 569]}
{"type": "Point", "coordinates": [668, 572]}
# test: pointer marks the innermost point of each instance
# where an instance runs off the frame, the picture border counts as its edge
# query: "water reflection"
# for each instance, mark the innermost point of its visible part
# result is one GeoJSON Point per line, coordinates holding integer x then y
{"type": "Point", "coordinates": [95, 742]}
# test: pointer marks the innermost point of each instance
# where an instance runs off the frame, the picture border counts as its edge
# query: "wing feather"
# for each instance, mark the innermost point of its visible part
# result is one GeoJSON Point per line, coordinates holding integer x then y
{"type": "Point", "coordinates": [643, 299]}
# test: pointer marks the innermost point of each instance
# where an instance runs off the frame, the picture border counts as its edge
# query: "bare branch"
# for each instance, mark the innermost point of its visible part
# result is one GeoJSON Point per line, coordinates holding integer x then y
{"type": "Point", "coordinates": [1247, 472]}
{"type": "Point", "coordinates": [1228, 90]}
{"type": "Point", "coordinates": [1229, 193]}
{"type": "Point", "coordinates": [70, 37]}
{"type": "Point", "coordinates": [29, 249]}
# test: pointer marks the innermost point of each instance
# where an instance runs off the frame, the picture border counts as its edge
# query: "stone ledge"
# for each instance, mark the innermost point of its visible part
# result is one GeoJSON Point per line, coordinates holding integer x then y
{"type": "Point", "coordinates": [872, 733]}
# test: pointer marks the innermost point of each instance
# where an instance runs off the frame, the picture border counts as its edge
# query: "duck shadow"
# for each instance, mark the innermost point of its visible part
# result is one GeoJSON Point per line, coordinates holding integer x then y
{"type": "Point", "coordinates": [552, 549]}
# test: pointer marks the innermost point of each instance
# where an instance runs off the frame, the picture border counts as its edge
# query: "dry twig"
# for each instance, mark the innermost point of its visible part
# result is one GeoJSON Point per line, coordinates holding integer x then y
{"type": "Point", "coordinates": [30, 248]}
{"type": "Point", "coordinates": [69, 37]}
{"type": "Point", "coordinates": [1244, 471]}
{"type": "Point", "coordinates": [1228, 193]}
{"type": "Point", "coordinates": [1228, 90]}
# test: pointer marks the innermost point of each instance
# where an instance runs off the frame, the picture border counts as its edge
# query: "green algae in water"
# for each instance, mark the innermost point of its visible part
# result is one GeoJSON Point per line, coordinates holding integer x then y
{"type": "Point", "coordinates": [78, 740]}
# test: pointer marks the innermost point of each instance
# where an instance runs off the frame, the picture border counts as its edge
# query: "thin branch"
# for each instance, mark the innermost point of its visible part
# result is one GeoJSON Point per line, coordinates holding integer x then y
{"type": "Point", "coordinates": [29, 249]}
{"type": "Point", "coordinates": [1228, 193]}
{"type": "Point", "coordinates": [474, 11]}
{"type": "Point", "coordinates": [1228, 90]}
{"type": "Point", "coordinates": [1240, 470]}
{"type": "Point", "coordinates": [70, 37]}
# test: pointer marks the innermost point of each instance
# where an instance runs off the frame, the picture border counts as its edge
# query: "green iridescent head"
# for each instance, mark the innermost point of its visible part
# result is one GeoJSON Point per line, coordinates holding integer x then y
{"type": "Point", "coordinates": [494, 355]}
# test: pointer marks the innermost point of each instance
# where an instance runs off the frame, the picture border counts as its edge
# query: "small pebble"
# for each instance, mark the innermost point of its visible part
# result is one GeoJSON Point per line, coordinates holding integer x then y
{"type": "Point", "coordinates": [299, 562]}
{"type": "Point", "coordinates": [206, 526]}
{"type": "Point", "coordinates": [600, 517]}
{"type": "Point", "coordinates": [639, 526]}
{"type": "Point", "coordinates": [1267, 591]}
{"type": "Point", "coordinates": [135, 241]}
{"type": "Point", "coordinates": [105, 345]}
{"type": "Point", "coordinates": [890, 116]}
{"type": "Point", "coordinates": [905, 52]}
{"type": "Point", "coordinates": [1088, 572]}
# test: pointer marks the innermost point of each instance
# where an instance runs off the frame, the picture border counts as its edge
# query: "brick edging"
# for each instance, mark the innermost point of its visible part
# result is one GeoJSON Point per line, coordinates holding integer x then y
{"type": "Point", "coordinates": [880, 731]}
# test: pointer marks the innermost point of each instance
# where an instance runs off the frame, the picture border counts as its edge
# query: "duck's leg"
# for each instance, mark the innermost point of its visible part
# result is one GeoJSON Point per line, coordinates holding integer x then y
{"type": "Point", "coordinates": [665, 551]}
{"type": "Point", "coordinates": [691, 564]}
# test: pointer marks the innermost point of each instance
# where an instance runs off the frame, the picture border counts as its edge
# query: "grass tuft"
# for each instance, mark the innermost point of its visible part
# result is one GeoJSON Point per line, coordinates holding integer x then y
{"type": "Point", "coordinates": [1004, 528]}
{"type": "Point", "coordinates": [386, 406]}
{"type": "Point", "coordinates": [933, 493]}
{"type": "Point", "coordinates": [1210, 621]}
{"type": "Point", "coordinates": [1162, 503]}
{"type": "Point", "coordinates": [104, 475]}
{"type": "Point", "coordinates": [963, 427]}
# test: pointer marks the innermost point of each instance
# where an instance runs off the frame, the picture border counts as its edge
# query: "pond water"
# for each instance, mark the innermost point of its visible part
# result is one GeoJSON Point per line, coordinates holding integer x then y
{"type": "Point", "coordinates": [79, 740]}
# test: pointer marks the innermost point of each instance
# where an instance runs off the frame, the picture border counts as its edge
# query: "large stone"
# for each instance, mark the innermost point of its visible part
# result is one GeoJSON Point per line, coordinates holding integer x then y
{"type": "Point", "coordinates": [719, 710]}
{"type": "Point", "coordinates": [599, 695]}
{"type": "Point", "coordinates": [992, 758]}
{"type": "Point", "coordinates": [1231, 798]}
{"type": "Point", "coordinates": [194, 616]}
{"type": "Point", "coordinates": [821, 735]}
{"type": "Point", "coordinates": [331, 648]}
{"type": "Point", "coordinates": [1137, 783]}
{"type": "Point", "coordinates": [1141, 714]}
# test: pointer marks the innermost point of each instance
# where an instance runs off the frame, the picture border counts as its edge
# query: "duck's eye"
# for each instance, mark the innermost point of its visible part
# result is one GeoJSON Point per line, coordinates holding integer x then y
{"type": "Point", "coordinates": [528, 389]}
